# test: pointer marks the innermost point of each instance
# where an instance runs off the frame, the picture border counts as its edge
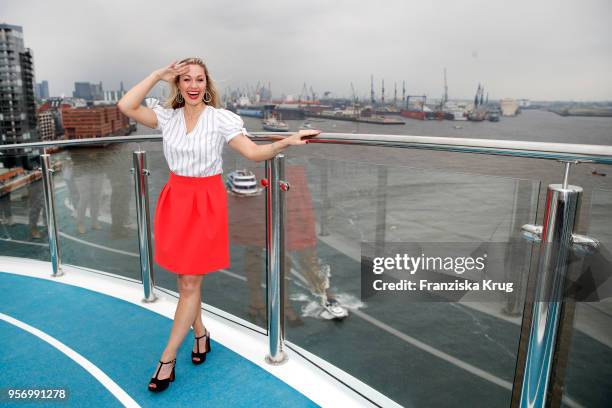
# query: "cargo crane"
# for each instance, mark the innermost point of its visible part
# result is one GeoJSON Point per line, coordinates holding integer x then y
{"type": "Point", "coordinates": [355, 99]}
{"type": "Point", "coordinates": [354, 93]}
{"type": "Point", "coordinates": [445, 89]}
{"type": "Point", "coordinates": [395, 94]}
{"type": "Point", "coordinates": [372, 100]}
{"type": "Point", "coordinates": [314, 95]}
{"type": "Point", "coordinates": [303, 94]}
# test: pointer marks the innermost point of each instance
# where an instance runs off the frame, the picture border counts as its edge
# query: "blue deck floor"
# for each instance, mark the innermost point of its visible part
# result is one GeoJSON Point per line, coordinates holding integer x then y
{"type": "Point", "coordinates": [125, 342]}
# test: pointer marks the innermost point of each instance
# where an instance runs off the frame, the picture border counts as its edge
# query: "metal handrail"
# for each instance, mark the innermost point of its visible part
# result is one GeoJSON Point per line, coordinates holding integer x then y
{"type": "Point", "coordinates": [601, 154]}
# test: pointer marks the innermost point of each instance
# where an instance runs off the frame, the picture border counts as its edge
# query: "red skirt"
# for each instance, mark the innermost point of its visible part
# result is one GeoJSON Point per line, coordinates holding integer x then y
{"type": "Point", "coordinates": [190, 225]}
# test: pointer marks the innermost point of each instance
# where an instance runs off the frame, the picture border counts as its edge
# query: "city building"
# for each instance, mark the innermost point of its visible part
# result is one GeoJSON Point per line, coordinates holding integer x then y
{"type": "Point", "coordinates": [17, 101]}
{"type": "Point", "coordinates": [52, 108]}
{"type": "Point", "coordinates": [114, 96]}
{"type": "Point", "coordinates": [42, 90]}
{"type": "Point", "coordinates": [95, 121]}
{"type": "Point", "coordinates": [46, 125]}
{"type": "Point", "coordinates": [88, 91]}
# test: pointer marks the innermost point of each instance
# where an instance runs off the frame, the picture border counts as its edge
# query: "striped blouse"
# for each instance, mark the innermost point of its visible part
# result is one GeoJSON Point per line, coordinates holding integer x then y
{"type": "Point", "coordinates": [197, 153]}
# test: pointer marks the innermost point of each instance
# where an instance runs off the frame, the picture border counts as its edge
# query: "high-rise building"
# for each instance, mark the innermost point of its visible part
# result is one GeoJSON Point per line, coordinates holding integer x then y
{"type": "Point", "coordinates": [17, 101]}
{"type": "Point", "coordinates": [88, 91]}
{"type": "Point", "coordinates": [42, 90]}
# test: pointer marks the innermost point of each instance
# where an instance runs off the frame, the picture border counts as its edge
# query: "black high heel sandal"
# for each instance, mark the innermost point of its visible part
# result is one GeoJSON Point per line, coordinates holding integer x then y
{"type": "Point", "coordinates": [201, 356]}
{"type": "Point", "coordinates": [161, 385]}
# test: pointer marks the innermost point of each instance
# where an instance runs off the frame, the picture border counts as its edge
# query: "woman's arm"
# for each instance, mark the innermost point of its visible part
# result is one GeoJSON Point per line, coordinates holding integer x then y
{"type": "Point", "coordinates": [130, 103]}
{"type": "Point", "coordinates": [255, 152]}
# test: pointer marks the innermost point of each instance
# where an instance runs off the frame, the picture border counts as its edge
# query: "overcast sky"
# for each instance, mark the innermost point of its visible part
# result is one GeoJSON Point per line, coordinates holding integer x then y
{"type": "Point", "coordinates": [535, 49]}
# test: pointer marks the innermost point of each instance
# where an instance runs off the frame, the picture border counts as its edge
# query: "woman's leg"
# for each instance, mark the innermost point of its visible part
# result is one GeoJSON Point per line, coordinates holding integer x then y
{"type": "Point", "coordinates": [189, 301]}
{"type": "Point", "coordinates": [198, 324]}
{"type": "Point", "coordinates": [199, 329]}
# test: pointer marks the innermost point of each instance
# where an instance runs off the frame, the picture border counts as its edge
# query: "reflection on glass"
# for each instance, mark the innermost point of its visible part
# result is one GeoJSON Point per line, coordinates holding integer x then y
{"type": "Point", "coordinates": [23, 226]}
{"type": "Point", "coordinates": [95, 210]}
{"type": "Point", "coordinates": [431, 353]}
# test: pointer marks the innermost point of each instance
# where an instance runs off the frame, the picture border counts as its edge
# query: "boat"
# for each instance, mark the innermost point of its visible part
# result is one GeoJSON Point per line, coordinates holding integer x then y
{"type": "Point", "coordinates": [415, 110]}
{"type": "Point", "coordinates": [509, 107]}
{"type": "Point", "coordinates": [254, 113]}
{"type": "Point", "coordinates": [477, 115]}
{"type": "Point", "coordinates": [454, 111]}
{"type": "Point", "coordinates": [273, 124]}
{"type": "Point", "coordinates": [413, 114]}
{"type": "Point", "coordinates": [242, 182]}
{"type": "Point", "coordinates": [380, 120]}
{"type": "Point", "coordinates": [493, 116]}
{"type": "Point", "coordinates": [290, 111]}
{"type": "Point", "coordinates": [387, 110]}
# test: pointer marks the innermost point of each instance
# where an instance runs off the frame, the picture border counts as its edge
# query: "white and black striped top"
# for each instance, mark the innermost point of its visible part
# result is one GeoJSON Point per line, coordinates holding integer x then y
{"type": "Point", "coordinates": [197, 153]}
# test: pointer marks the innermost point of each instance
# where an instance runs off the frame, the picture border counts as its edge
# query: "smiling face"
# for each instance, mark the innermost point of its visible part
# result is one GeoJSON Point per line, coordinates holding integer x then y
{"type": "Point", "coordinates": [192, 85]}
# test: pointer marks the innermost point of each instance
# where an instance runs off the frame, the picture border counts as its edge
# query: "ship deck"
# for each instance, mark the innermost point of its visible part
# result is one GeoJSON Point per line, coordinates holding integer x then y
{"type": "Point", "coordinates": [90, 334]}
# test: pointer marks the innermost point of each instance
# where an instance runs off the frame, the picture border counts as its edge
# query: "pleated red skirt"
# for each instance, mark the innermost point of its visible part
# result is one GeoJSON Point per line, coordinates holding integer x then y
{"type": "Point", "coordinates": [190, 226]}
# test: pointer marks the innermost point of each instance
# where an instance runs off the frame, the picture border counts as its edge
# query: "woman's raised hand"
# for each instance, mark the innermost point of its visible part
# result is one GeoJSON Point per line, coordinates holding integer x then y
{"type": "Point", "coordinates": [296, 138]}
{"type": "Point", "coordinates": [172, 71]}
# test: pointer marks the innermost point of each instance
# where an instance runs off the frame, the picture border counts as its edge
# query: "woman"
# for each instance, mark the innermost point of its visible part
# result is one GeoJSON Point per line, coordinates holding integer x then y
{"type": "Point", "coordinates": [190, 226]}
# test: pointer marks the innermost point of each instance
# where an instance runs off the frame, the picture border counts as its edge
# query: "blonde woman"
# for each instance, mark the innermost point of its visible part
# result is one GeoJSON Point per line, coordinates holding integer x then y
{"type": "Point", "coordinates": [190, 224]}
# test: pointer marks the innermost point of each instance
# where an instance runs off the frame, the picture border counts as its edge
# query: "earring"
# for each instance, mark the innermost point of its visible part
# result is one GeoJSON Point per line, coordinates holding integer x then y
{"type": "Point", "coordinates": [209, 97]}
{"type": "Point", "coordinates": [179, 98]}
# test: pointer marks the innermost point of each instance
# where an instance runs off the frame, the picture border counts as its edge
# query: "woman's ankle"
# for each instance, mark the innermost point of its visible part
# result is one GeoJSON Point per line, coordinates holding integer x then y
{"type": "Point", "coordinates": [199, 332]}
{"type": "Point", "coordinates": [168, 356]}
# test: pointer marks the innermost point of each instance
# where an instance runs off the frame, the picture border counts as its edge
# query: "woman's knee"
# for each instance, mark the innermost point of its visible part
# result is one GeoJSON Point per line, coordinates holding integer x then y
{"type": "Point", "coordinates": [189, 284]}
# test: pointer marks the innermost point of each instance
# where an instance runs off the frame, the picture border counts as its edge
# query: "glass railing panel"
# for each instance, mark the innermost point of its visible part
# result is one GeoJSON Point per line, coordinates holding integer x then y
{"type": "Point", "coordinates": [585, 351]}
{"type": "Point", "coordinates": [239, 290]}
{"type": "Point", "coordinates": [95, 209]}
{"type": "Point", "coordinates": [418, 353]}
{"type": "Point", "coordinates": [23, 230]}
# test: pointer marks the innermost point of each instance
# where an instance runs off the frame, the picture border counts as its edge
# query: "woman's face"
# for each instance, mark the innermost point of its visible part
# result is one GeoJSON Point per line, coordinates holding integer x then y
{"type": "Point", "coordinates": [193, 84]}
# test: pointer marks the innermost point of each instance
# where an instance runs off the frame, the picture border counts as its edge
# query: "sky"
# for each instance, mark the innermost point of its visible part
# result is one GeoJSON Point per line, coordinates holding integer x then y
{"type": "Point", "coordinates": [533, 49]}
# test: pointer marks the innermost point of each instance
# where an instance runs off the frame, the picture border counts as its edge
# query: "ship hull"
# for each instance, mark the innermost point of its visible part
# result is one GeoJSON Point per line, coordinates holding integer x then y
{"type": "Point", "coordinates": [419, 115]}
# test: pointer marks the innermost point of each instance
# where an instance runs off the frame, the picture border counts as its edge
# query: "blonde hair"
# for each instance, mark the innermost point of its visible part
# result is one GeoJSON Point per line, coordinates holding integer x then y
{"type": "Point", "coordinates": [172, 101]}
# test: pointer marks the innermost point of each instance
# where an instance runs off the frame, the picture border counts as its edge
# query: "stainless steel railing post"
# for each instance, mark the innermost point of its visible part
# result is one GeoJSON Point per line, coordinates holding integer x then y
{"type": "Point", "coordinates": [275, 256]}
{"type": "Point", "coordinates": [47, 178]}
{"type": "Point", "coordinates": [556, 242]}
{"type": "Point", "coordinates": [141, 189]}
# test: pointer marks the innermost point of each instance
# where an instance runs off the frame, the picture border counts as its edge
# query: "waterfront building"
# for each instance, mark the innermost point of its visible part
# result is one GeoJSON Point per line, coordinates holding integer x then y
{"type": "Point", "coordinates": [94, 121]}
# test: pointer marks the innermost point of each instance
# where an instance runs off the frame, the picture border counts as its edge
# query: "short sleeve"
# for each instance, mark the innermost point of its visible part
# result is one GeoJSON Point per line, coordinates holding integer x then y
{"type": "Point", "coordinates": [229, 124]}
{"type": "Point", "coordinates": [163, 114]}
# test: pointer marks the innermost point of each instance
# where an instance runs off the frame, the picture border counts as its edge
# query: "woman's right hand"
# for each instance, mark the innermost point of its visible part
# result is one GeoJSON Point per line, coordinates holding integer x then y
{"type": "Point", "coordinates": [172, 71]}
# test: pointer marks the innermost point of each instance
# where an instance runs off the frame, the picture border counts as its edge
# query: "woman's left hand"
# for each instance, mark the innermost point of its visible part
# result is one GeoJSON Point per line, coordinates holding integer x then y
{"type": "Point", "coordinates": [296, 138]}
